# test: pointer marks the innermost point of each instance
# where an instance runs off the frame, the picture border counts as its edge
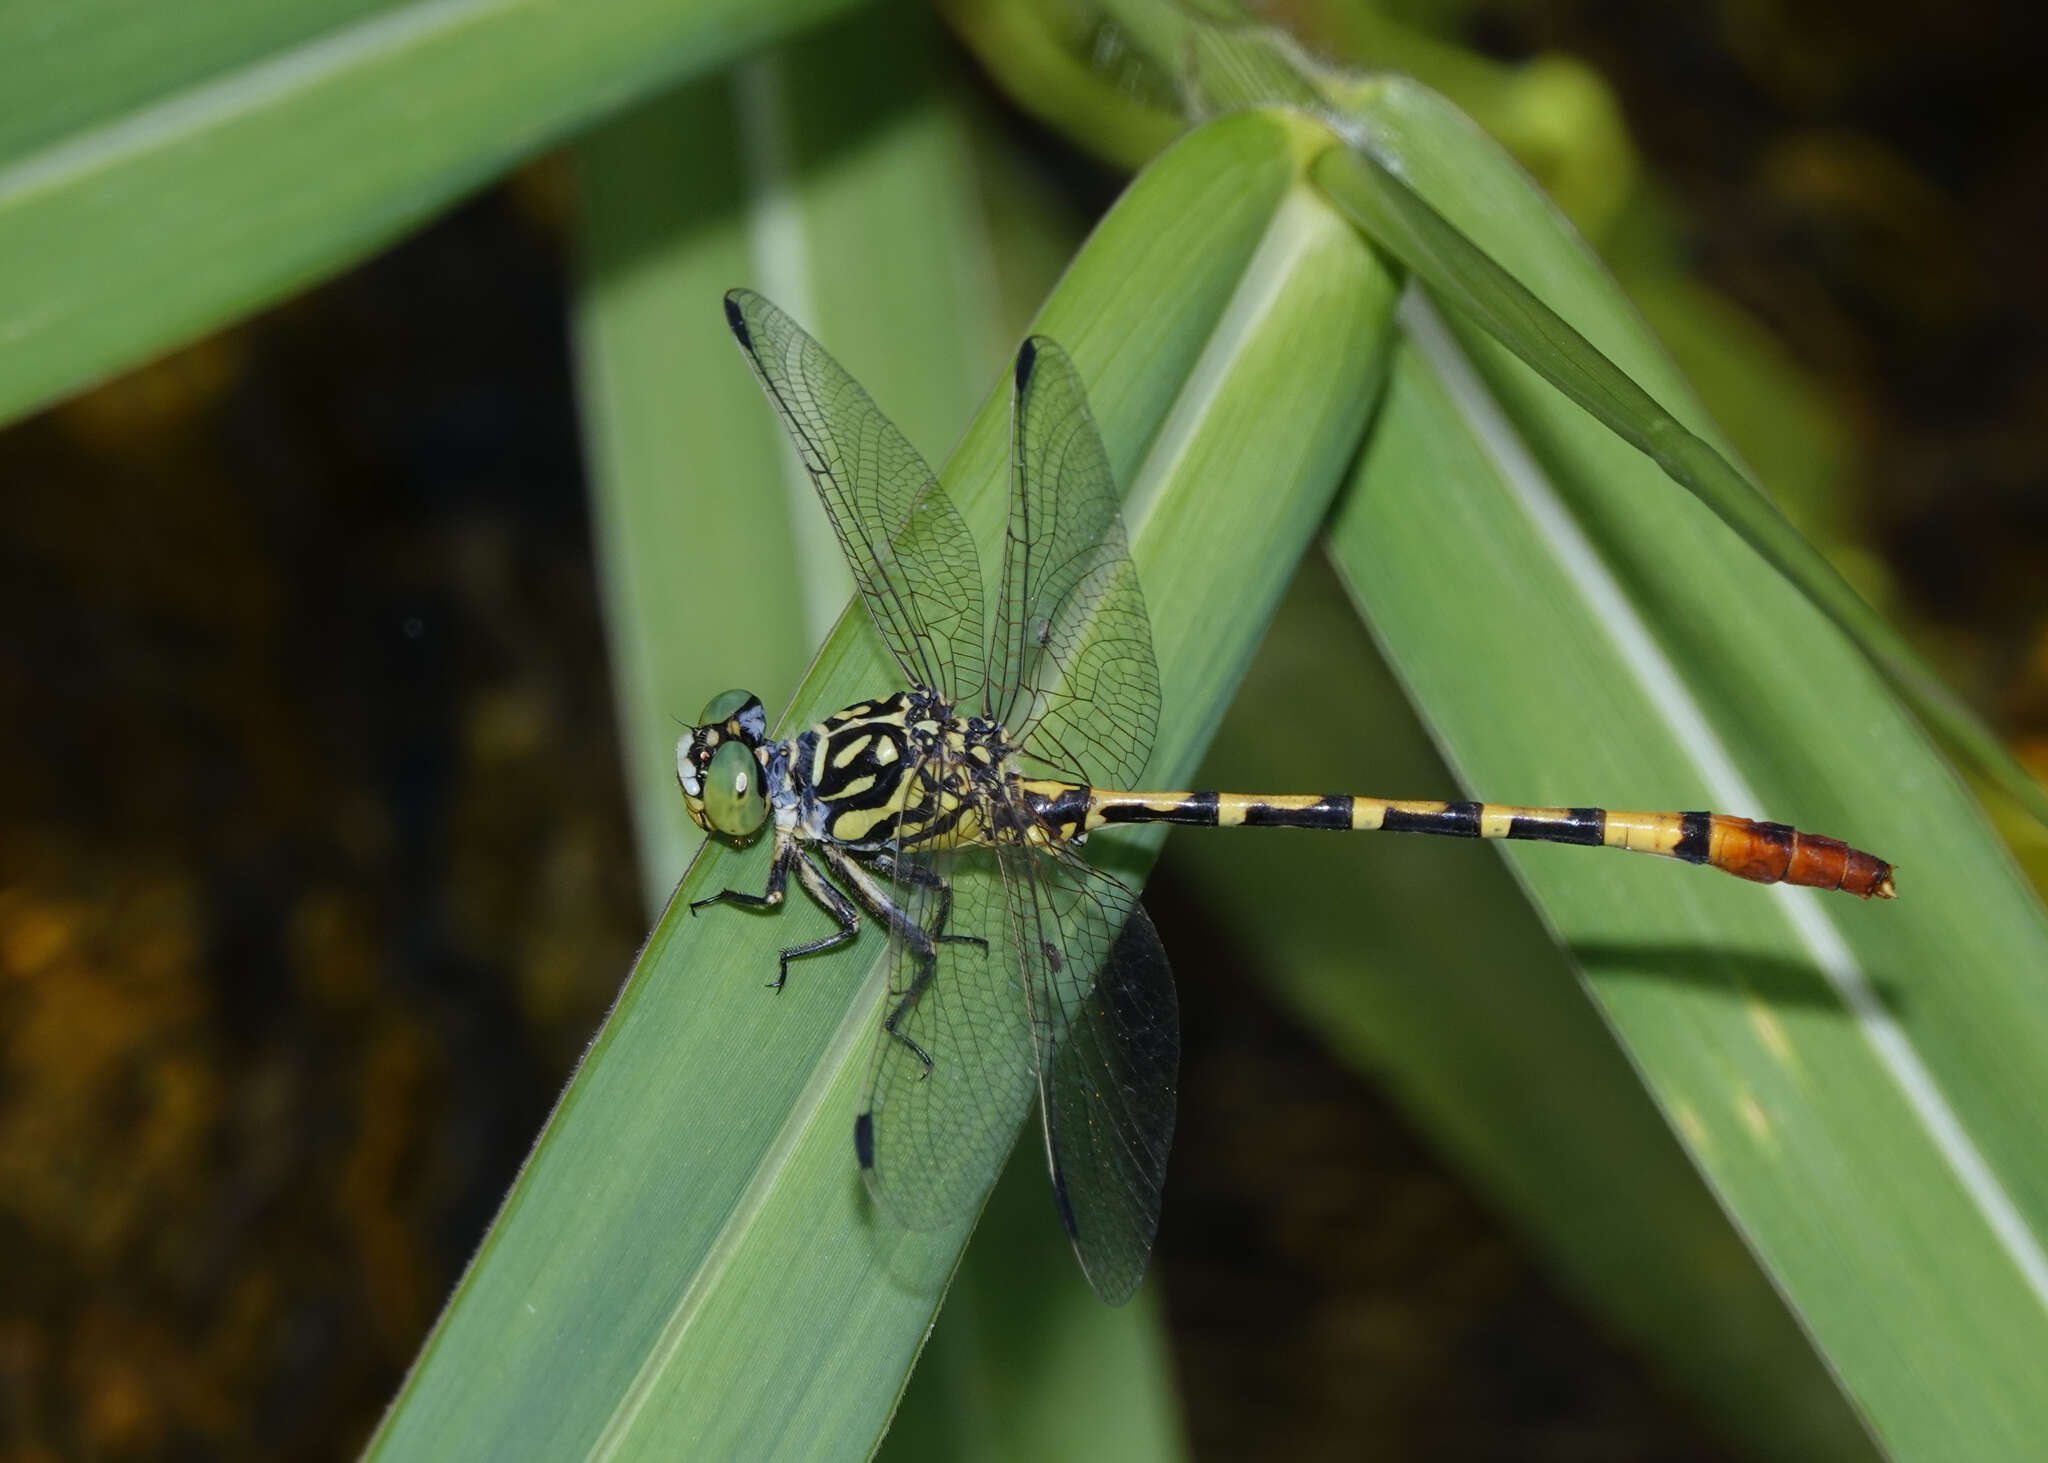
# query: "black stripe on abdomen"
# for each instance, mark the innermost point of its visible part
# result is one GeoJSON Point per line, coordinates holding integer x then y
{"type": "Point", "coordinates": [1196, 810]}
{"type": "Point", "coordinates": [1452, 820]}
{"type": "Point", "coordinates": [1333, 811]}
{"type": "Point", "coordinates": [1585, 826]}
{"type": "Point", "coordinates": [1695, 837]}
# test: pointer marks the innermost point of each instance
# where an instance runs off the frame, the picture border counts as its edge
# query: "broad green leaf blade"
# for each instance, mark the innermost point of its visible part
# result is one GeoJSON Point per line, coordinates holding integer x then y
{"type": "Point", "coordinates": [1394, 178]}
{"type": "Point", "coordinates": [798, 174]}
{"type": "Point", "coordinates": [1422, 962]}
{"type": "Point", "coordinates": [163, 172]}
{"type": "Point", "coordinates": [1461, 275]}
{"type": "Point", "coordinates": [1860, 1084]}
{"type": "Point", "coordinates": [829, 176]}
{"type": "Point", "coordinates": [1025, 1362]}
{"type": "Point", "coordinates": [691, 1230]}
{"type": "Point", "coordinates": [1119, 105]}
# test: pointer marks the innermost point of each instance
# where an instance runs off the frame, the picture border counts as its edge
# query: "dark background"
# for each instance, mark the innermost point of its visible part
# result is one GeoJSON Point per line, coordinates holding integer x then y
{"type": "Point", "coordinates": [315, 873]}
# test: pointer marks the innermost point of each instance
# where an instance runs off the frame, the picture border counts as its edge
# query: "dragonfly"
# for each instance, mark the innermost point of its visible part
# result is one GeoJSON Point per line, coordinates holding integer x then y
{"type": "Point", "coordinates": [953, 809]}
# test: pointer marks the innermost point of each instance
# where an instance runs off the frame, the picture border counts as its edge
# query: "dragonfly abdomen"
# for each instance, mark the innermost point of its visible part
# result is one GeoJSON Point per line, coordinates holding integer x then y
{"type": "Point", "coordinates": [1765, 853]}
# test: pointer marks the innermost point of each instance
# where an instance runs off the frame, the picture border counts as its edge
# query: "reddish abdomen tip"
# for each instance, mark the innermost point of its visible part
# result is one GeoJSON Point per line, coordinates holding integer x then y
{"type": "Point", "coordinates": [1773, 853]}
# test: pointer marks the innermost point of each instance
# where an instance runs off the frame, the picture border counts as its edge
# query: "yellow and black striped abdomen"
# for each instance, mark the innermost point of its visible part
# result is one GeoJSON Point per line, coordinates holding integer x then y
{"type": "Point", "coordinates": [1766, 853]}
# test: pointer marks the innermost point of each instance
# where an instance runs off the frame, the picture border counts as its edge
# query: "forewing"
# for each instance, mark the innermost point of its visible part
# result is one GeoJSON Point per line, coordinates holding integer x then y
{"type": "Point", "coordinates": [1106, 1025]}
{"type": "Point", "coordinates": [1071, 672]}
{"type": "Point", "coordinates": [904, 540]}
{"type": "Point", "coordinates": [931, 1143]}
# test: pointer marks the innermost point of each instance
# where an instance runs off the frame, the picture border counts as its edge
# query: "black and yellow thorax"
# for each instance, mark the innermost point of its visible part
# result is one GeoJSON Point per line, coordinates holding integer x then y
{"type": "Point", "coordinates": [901, 771]}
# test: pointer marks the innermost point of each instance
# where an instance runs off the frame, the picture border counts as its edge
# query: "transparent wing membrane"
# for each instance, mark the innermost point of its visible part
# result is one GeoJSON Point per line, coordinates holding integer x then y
{"type": "Point", "coordinates": [1106, 1033]}
{"type": "Point", "coordinates": [1071, 671]}
{"type": "Point", "coordinates": [1015, 968]}
{"type": "Point", "coordinates": [936, 1140]}
{"type": "Point", "coordinates": [904, 540]}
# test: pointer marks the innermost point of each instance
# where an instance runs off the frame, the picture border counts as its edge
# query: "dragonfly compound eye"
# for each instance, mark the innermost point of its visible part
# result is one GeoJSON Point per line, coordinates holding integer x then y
{"type": "Point", "coordinates": [733, 801]}
{"type": "Point", "coordinates": [742, 708]}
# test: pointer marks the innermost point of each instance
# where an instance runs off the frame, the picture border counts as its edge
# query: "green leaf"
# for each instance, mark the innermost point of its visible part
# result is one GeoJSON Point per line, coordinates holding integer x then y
{"type": "Point", "coordinates": [828, 175]}
{"type": "Point", "coordinates": [1861, 1084]}
{"type": "Point", "coordinates": [1074, 76]}
{"type": "Point", "coordinates": [798, 174]}
{"type": "Point", "coordinates": [689, 1263]}
{"type": "Point", "coordinates": [1026, 1362]}
{"type": "Point", "coordinates": [164, 169]}
{"type": "Point", "coordinates": [1394, 177]}
{"type": "Point", "coordinates": [1368, 184]}
{"type": "Point", "coordinates": [1422, 962]}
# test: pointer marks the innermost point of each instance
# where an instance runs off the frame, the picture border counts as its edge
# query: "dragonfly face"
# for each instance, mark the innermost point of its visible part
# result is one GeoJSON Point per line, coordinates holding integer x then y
{"type": "Point", "coordinates": [721, 766]}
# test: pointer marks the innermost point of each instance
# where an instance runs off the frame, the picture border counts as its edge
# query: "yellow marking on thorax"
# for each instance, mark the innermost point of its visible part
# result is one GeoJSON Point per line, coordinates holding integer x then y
{"type": "Point", "coordinates": [857, 823]}
{"type": "Point", "coordinates": [1656, 833]}
{"type": "Point", "coordinates": [853, 748]}
{"type": "Point", "coordinates": [967, 830]}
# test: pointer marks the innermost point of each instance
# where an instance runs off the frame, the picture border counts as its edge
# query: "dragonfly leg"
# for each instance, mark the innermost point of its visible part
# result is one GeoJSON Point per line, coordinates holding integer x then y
{"type": "Point", "coordinates": [918, 942]}
{"type": "Point", "coordinates": [843, 912]}
{"type": "Point", "coordinates": [769, 898]}
{"type": "Point", "coordinates": [905, 871]}
{"type": "Point", "coordinates": [907, 1002]}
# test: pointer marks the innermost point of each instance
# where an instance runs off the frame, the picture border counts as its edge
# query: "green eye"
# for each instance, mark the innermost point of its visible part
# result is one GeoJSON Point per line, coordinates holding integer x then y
{"type": "Point", "coordinates": [724, 704]}
{"type": "Point", "coordinates": [727, 705]}
{"type": "Point", "coordinates": [733, 801]}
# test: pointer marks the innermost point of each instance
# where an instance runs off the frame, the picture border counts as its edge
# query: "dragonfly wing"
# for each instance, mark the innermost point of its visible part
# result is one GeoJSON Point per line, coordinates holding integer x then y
{"type": "Point", "coordinates": [931, 1143]}
{"type": "Point", "coordinates": [1071, 671]}
{"type": "Point", "coordinates": [904, 540]}
{"type": "Point", "coordinates": [1106, 1027]}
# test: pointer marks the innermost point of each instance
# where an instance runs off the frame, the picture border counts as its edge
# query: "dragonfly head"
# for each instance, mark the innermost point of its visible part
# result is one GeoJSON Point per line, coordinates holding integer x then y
{"type": "Point", "coordinates": [718, 763]}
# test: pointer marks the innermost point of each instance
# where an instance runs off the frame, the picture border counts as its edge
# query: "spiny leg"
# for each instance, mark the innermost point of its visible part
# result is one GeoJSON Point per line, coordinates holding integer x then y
{"type": "Point", "coordinates": [789, 855]}
{"type": "Point", "coordinates": [770, 898]}
{"type": "Point", "coordinates": [909, 871]}
{"type": "Point", "coordinates": [918, 941]}
{"type": "Point", "coordinates": [843, 912]}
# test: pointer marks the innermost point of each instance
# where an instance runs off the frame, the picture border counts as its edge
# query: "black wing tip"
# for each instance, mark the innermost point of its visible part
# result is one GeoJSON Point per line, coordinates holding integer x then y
{"type": "Point", "coordinates": [864, 1141]}
{"type": "Point", "coordinates": [736, 317]}
{"type": "Point", "coordinates": [1027, 360]}
{"type": "Point", "coordinates": [1028, 353]}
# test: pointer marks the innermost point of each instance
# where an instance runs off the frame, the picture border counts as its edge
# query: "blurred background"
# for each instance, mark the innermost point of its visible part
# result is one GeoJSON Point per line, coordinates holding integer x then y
{"type": "Point", "coordinates": [316, 872]}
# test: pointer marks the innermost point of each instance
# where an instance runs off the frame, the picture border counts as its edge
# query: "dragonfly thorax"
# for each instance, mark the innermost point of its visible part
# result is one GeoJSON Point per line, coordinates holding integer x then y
{"type": "Point", "coordinates": [899, 771]}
